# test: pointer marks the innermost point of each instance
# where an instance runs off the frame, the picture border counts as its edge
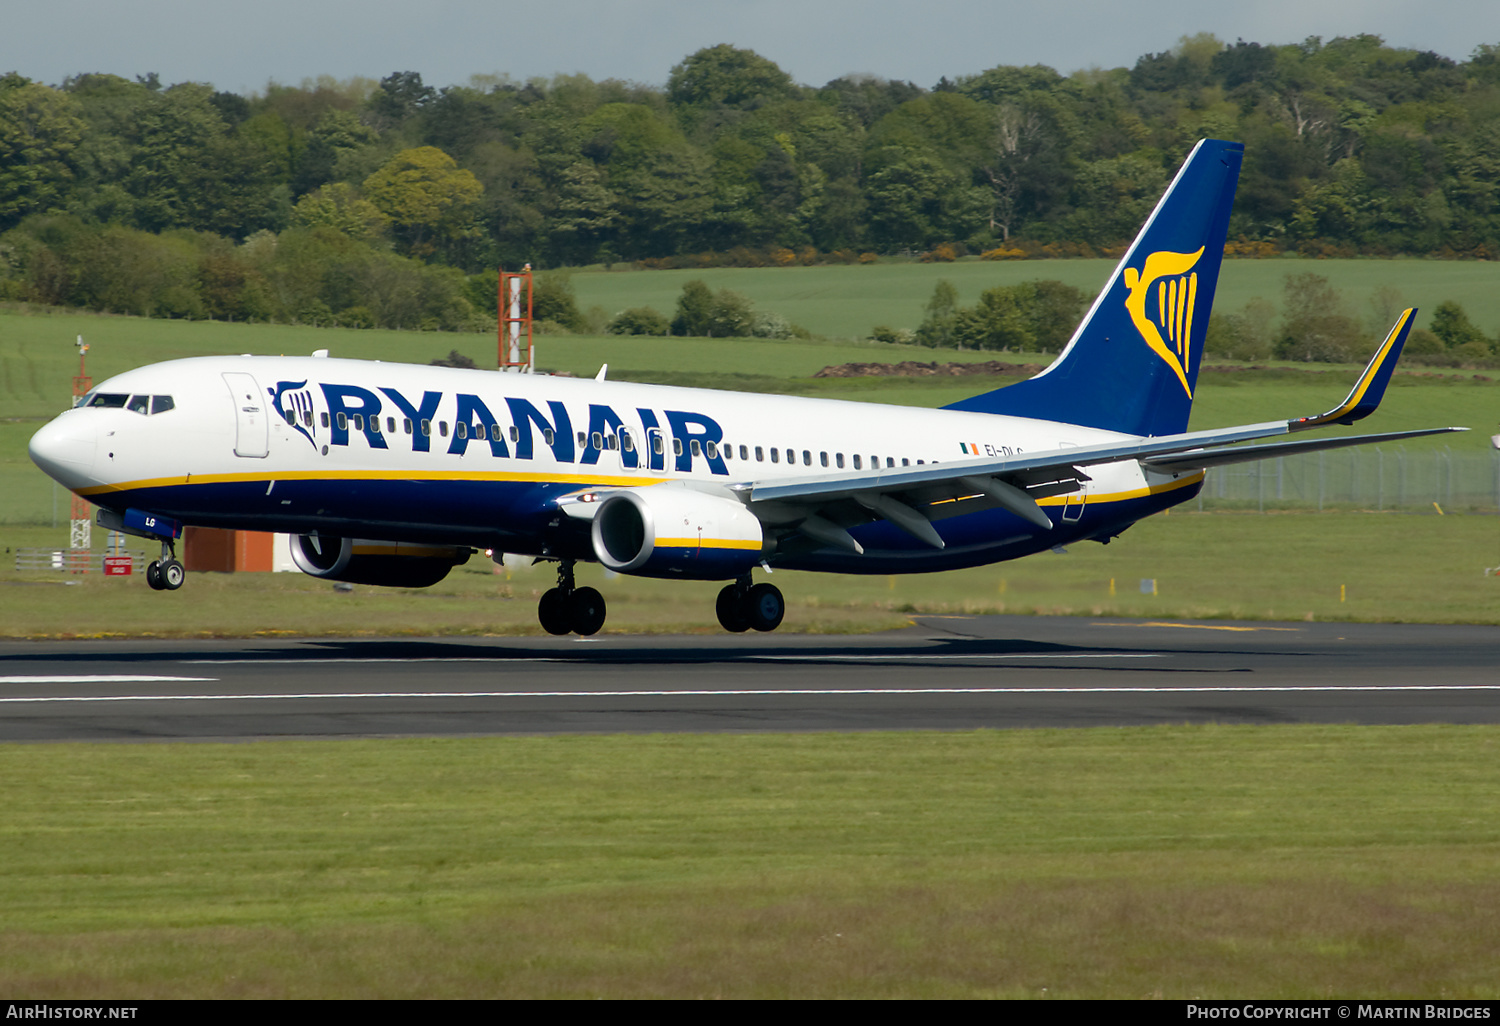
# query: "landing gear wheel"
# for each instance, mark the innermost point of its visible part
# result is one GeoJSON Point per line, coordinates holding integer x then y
{"type": "Point", "coordinates": [153, 575]}
{"type": "Point", "coordinates": [764, 607]}
{"type": "Point", "coordinates": [172, 575]}
{"type": "Point", "coordinates": [587, 608]}
{"type": "Point", "coordinates": [553, 611]}
{"type": "Point", "coordinates": [731, 610]}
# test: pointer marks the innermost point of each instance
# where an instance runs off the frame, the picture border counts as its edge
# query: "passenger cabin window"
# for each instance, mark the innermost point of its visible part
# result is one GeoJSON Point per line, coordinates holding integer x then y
{"type": "Point", "coordinates": [838, 460]}
{"type": "Point", "coordinates": [461, 430]}
{"type": "Point", "coordinates": [343, 422]}
{"type": "Point", "coordinates": [325, 418]}
{"type": "Point", "coordinates": [390, 426]}
{"type": "Point", "coordinates": [443, 428]}
{"type": "Point", "coordinates": [759, 455]}
{"type": "Point", "coordinates": [697, 450]}
{"type": "Point", "coordinates": [427, 428]}
{"type": "Point", "coordinates": [406, 424]}
{"type": "Point", "coordinates": [583, 439]}
{"type": "Point", "coordinates": [807, 457]}
{"type": "Point", "coordinates": [656, 444]}
{"type": "Point", "coordinates": [359, 422]}
{"type": "Point", "coordinates": [597, 439]}
{"type": "Point", "coordinates": [823, 457]}
{"type": "Point", "coordinates": [774, 458]}
{"type": "Point", "coordinates": [856, 461]}
{"type": "Point", "coordinates": [626, 442]}
{"type": "Point", "coordinates": [710, 448]}
{"type": "Point", "coordinates": [495, 432]}
{"type": "Point", "coordinates": [744, 453]}
{"type": "Point", "coordinates": [515, 433]}
{"type": "Point", "coordinates": [548, 436]}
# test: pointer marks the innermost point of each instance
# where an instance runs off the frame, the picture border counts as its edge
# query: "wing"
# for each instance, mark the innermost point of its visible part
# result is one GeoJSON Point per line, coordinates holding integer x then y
{"type": "Point", "coordinates": [824, 507]}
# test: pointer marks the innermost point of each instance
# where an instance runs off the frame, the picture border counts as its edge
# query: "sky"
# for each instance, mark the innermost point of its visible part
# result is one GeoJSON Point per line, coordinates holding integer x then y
{"type": "Point", "coordinates": [241, 47]}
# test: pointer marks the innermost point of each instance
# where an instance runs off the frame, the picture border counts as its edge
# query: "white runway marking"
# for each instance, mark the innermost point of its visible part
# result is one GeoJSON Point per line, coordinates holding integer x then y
{"type": "Point", "coordinates": [94, 678]}
{"type": "Point", "coordinates": [769, 693]}
{"type": "Point", "coordinates": [393, 662]}
{"type": "Point", "coordinates": [965, 655]}
{"type": "Point", "coordinates": [809, 657]}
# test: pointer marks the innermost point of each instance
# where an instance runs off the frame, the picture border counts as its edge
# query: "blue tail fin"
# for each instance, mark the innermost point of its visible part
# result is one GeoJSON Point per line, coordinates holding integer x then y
{"type": "Point", "coordinates": [1132, 364]}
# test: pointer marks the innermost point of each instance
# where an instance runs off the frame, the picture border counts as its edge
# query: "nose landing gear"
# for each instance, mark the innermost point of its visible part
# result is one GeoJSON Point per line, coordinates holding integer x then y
{"type": "Point", "coordinates": [566, 609]}
{"type": "Point", "coordinates": [166, 574]}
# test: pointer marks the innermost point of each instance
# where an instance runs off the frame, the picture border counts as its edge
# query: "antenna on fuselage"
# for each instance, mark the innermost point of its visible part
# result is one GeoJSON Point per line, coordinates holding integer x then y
{"type": "Point", "coordinates": [516, 354]}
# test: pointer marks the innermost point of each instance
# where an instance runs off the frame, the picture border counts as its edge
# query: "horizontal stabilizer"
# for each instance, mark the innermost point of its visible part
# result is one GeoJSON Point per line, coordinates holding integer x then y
{"type": "Point", "coordinates": [1203, 458]}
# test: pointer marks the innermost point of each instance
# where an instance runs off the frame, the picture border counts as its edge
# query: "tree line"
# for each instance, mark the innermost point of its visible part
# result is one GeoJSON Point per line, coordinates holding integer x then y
{"type": "Point", "coordinates": [383, 203]}
{"type": "Point", "coordinates": [1316, 323]}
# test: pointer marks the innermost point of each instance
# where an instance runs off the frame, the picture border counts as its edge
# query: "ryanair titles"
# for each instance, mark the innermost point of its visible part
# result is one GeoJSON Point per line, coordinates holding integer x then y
{"type": "Point", "coordinates": [510, 427]}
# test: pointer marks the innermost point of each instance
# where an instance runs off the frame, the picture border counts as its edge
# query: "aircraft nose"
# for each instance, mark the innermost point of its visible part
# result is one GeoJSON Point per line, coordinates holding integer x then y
{"type": "Point", "coordinates": [64, 449]}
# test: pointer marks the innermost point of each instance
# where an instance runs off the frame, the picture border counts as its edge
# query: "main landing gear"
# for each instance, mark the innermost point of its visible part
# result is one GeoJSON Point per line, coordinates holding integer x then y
{"type": "Point", "coordinates": [743, 606]}
{"type": "Point", "coordinates": [166, 574]}
{"type": "Point", "coordinates": [566, 609]}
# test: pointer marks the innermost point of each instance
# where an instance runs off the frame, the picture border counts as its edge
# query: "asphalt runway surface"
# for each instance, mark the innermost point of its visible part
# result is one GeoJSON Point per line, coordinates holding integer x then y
{"type": "Point", "coordinates": [944, 673]}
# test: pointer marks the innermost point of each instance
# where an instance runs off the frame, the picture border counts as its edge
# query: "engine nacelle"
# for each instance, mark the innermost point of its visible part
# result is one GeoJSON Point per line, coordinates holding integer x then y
{"type": "Point", "coordinates": [390, 564]}
{"type": "Point", "coordinates": [671, 531]}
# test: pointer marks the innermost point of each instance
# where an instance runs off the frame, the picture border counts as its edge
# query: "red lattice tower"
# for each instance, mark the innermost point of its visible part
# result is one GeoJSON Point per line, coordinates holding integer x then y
{"type": "Point", "coordinates": [514, 306]}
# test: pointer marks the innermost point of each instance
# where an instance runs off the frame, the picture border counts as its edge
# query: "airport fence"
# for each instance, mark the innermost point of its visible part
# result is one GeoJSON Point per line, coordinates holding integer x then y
{"type": "Point", "coordinates": [78, 561]}
{"type": "Point", "coordinates": [1372, 477]}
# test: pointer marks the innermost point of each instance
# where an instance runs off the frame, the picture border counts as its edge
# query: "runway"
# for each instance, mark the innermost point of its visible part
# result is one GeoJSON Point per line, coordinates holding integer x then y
{"type": "Point", "coordinates": [944, 673]}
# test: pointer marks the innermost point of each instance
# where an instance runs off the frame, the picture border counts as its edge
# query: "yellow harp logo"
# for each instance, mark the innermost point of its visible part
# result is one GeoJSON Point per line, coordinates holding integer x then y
{"type": "Point", "coordinates": [1175, 293]}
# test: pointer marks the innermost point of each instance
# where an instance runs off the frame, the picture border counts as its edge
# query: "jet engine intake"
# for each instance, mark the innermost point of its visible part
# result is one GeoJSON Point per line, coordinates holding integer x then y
{"type": "Point", "coordinates": [389, 564]}
{"type": "Point", "coordinates": [670, 531]}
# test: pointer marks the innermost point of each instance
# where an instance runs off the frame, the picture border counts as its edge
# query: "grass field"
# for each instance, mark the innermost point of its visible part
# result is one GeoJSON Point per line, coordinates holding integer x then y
{"type": "Point", "coordinates": [1269, 862]}
{"type": "Point", "coordinates": [847, 301]}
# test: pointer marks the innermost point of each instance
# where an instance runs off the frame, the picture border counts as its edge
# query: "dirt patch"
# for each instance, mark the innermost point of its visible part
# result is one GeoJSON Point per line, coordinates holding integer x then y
{"type": "Point", "coordinates": [918, 369]}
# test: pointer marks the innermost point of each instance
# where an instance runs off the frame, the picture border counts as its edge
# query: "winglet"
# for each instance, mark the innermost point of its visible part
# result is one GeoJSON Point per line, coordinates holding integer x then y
{"type": "Point", "coordinates": [1370, 388]}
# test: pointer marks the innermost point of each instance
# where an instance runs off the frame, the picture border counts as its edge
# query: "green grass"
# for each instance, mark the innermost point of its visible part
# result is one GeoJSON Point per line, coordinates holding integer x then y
{"type": "Point", "coordinates": [1393, 567]}
{"type": "Point", "coordinates": [849, 301]}
{"type": "Point", "coordinates": [1274, 862]}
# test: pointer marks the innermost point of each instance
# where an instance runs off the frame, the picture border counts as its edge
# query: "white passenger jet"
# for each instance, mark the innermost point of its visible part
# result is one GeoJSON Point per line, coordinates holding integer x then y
{"type": "Point", "coordinates": [392, 474]}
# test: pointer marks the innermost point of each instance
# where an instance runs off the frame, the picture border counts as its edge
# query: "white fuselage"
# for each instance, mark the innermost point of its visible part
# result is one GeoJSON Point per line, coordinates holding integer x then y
{"type": "Point", "coordinates": [302, 444]}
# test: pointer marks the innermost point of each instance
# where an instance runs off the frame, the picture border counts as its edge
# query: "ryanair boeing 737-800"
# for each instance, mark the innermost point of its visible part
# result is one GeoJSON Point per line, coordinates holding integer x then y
{"type": "Point", "coordinates": [393, 474]}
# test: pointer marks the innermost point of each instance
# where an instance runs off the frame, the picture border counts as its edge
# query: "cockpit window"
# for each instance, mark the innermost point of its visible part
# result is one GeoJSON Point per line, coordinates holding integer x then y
{"type": "Point", "coordinates": [145, 405]}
